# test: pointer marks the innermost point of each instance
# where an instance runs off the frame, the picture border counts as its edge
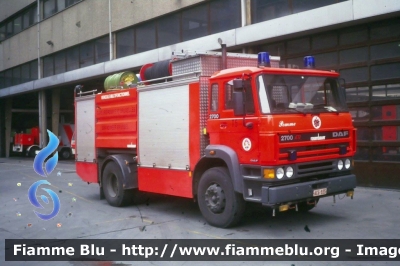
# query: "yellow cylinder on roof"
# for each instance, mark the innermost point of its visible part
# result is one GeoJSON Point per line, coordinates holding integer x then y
{"type": "Point", "coordinates": [121, 80]}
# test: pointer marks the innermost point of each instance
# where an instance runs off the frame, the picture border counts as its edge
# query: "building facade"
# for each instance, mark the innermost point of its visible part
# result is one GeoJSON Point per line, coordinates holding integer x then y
{"type": "Point", "coordinates": [49, 46]}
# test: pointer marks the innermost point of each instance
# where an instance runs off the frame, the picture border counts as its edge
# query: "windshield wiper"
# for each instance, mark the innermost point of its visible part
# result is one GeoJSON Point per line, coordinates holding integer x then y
{"type": "Point", "coordinates": [285, 109]}
{"type": "Point", "coordinates": [328, 108]}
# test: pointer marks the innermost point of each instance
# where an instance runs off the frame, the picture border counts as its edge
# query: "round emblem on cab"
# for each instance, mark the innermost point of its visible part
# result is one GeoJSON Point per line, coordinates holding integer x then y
{"type": "Point", "coordinates": [316, 122]}
{"type": "Point", "coordinates": [246, 144]}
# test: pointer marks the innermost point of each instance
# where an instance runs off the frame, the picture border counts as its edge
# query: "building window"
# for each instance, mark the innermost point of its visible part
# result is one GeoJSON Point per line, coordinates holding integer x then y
{"type": "Point", "coordinates": [102, 49]}
{"type": "Point", "coordinates": [353, 36]}
{"type": "Point", "coordinates": [386, 50]}
{"type": "Point", "coordinates": [194, 23]}
{"type": "Point", "coordinates": [298, 46]}
{"type": "Point", "coordinates": [385, 71]}
{"type": "Point", "coordinates": [18, 22]}
{"type": "Point", "coordinates": [224, 15]}
{"type": "Point", "coordinates": [385, 30]}
{"type": "Point", "coordinates": [363, 133]}
{"type": "Point", "coordinates": [386, 91]}
{"type": "Point", "coordinates": [357, 94]}
{"type": "Point", "coordinates": [59, 62]}
{"type": "Point", "coordinates": [48, 66]}
{"type": "Point", "coordinates": [324, 41]}
{"type": "Point", "coordinates": [304, 5]}
{"type": "Point", "coordinates": [9, 29]}
{"type": "Point", "coordinates": [146, 37]}
{"type": "Point", "coordinates": [86, 53]}
{"type": "Point", "coordinates": [49, 8]}
{"type": "Point", "coordinates": [8, 78]}
{"type": "Point", "coordinates": [168, 30]}
{"type": "Point", "coordinates": [125, 43]}
{"type": "Point", "coordinates": [19, 74]}
{"type": "Point", "coordinates": [263, 10]}
{"type": "Point", "coordinates": [358, 74]}
{"type": "Point", "coordinates": [3, 32]}
{"type": "Point", "coordinates": [16, 72]}
{"type": "Point", "coordinates": [34, 69]}
{"type": "Point", "coordinates": [266, 10]}
{"type": "Point", "coordinates": [355, 55]}
{"type": "Point", "coordinates": [386, 153]}
{"type": "Point", "coordinates": [2, 81]}
{"type": "Point", "coordinates": [72, 56]}
{"type": "Point", "coordinates": [25, 73]}
{"type": "Point", "coordinates": [326, 60]}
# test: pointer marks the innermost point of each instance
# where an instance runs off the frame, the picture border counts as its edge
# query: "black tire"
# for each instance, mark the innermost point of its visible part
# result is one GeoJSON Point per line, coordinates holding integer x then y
{"type": "Point", "coordinates": [112, 182]}
{"type": "Point", "coordinates": [305, 206]}
{"type": "Point", "coordinates": [65, 153]}
{"type": "Point", "coordinates": [32, 152]}
{"type": "Point", "coordinates": [219, 204]}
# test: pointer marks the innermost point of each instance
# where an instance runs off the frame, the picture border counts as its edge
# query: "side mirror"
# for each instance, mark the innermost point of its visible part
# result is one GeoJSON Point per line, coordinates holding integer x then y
{"type": "Point", "coordinates": [238, 107]}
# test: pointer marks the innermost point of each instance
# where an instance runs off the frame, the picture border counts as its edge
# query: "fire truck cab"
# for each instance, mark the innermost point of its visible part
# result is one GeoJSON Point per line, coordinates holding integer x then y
{"type": "Point", "coordinates": [247, 133]}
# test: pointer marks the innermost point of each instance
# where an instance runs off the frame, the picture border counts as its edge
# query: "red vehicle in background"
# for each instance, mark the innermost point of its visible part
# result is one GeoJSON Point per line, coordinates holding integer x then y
{"type": "Point", "coordinates": [223, 130]}
{"type": "Point", "coordinates": [28, 143]}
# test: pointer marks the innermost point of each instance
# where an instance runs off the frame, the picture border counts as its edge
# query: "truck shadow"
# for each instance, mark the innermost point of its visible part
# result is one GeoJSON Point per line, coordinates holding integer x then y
{"type": "Point", "coordinates": [254, 216]}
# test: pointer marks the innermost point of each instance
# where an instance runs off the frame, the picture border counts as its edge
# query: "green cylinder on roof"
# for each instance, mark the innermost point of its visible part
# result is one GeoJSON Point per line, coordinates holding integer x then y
{"type": "Point", "coordinates": [121, 80]}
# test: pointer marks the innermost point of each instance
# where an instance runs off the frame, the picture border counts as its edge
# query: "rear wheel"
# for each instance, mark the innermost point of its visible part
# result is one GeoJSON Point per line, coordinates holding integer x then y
{"type": "Point", "coordinates": [112, 181]}
{"type": "Point", "coordinates": [220, 205]}
{"type": "Point", "coordinates": [65, 153]}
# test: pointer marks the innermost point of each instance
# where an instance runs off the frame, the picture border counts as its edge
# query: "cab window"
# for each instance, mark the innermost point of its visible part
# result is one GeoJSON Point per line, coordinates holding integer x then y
{"type": "Point", "coordinates": [214, 98]}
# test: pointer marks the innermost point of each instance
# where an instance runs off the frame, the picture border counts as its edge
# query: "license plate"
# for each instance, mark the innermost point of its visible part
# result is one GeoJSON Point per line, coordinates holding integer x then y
{"type": "Point", "coordinates": [319, 192]}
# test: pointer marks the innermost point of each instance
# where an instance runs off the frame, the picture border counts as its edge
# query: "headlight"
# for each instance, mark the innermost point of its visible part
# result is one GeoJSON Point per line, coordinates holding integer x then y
{"type": "Point", "coordinates": [340, 164]}
{"type": "Point", "coordinates": [279, 173]}
{"type": "Point", "coordinates": [347, 164]}
{"type": "Point", "coordinates": [289, 171]}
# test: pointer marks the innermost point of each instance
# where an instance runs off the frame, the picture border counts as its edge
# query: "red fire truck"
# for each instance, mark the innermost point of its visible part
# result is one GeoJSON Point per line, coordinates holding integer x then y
{"type": "Point", "coordinates": [223, 130]}
{"type": "Point", "coordinates": [28, 143]}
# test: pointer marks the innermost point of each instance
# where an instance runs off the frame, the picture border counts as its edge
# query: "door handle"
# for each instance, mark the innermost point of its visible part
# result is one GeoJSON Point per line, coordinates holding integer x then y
{"type": "Point", "coordinates": [223, 126]}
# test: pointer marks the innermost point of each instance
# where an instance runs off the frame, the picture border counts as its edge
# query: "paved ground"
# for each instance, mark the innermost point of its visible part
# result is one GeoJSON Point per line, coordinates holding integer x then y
{"type": "Point", "coordinates": [373, 213]}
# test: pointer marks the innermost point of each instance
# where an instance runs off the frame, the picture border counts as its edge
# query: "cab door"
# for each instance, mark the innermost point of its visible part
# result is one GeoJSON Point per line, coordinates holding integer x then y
{"type": "Point", "coordinates": [237, 132]}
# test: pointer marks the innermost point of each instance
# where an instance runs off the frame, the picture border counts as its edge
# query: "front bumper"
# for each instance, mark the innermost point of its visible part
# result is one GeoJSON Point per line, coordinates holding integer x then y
{"type": "Point", "coordinates": [18, 148]}
{"type": "Point", "coordinates": [271, 196]}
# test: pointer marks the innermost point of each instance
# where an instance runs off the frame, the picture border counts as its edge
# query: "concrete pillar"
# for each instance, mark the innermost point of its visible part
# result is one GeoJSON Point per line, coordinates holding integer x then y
{"type": "Point", "coordinates": [42, 119]}
{"type": "Point", "coordinates": [248, 12]}
{"type": "Point", "coordinates": [246, 20]}
{"type": "Point", "coordinates": [55, 114]}
{"type": "Point", "coordinates": [8, 116]}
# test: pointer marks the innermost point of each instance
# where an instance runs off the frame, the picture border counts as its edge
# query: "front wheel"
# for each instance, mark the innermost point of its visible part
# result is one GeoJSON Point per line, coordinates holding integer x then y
{"type": "Point", "coordinates": [32, 151]}
{"type": "Point", "coordinates": [112, 181]}
{"type": "Point", "coordinates": [220, 205]}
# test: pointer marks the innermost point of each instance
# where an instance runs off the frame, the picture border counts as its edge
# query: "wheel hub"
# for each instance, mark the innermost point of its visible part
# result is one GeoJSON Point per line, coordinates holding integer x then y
{"type": "Point", "coordinates": [112, 187]}
{"type": "Point", "coordinates": [215, 198]}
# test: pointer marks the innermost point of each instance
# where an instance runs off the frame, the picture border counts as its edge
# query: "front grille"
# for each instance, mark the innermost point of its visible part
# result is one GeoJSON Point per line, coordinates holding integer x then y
{"type": "Point", "coordinates": [313, 151]}
{"type": "Point", "coordinates": [316, 168]}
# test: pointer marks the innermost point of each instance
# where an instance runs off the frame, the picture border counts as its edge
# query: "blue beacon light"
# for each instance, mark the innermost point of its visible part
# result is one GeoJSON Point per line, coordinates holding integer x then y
{"type": "Point", "coordinates": [309, 62]}
{"type": "Point", "coordinates": [263, 59]}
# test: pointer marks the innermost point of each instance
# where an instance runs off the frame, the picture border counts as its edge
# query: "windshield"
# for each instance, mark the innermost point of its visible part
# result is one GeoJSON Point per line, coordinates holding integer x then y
{"type": "Point", "coordinates": [291, 94]}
